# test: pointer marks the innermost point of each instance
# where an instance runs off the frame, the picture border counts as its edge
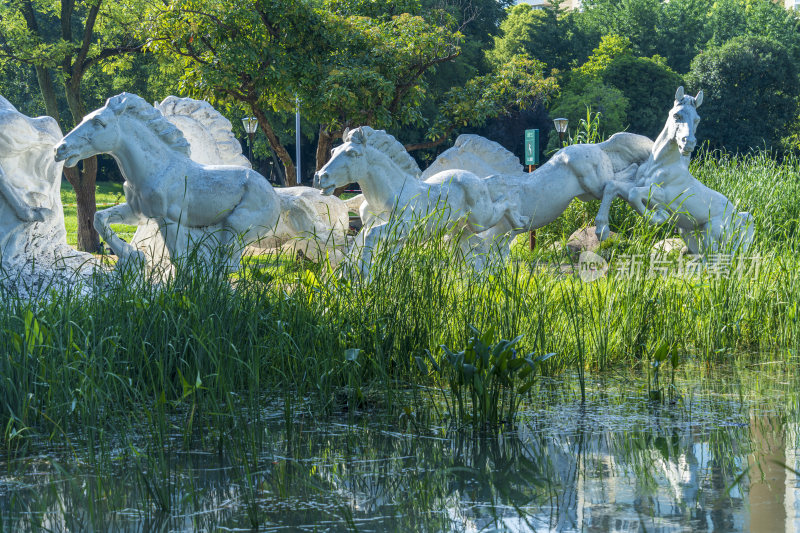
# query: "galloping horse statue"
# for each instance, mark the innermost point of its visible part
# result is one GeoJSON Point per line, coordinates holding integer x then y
{"type": "Point", "coordinates": [310, 223]}
{"type": "Point", "coordinates": [706, 219]}
{"type": "Point", "coordinates": [583, 171]}
{"type": "Point", "coordinates": [388, 177]}
{"type": "Point", "coordinates": [164, 184]}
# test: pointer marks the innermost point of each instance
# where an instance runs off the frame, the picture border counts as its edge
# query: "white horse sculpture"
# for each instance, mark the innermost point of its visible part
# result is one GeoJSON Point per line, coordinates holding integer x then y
{"type": "Point", "coordinates": [164, 184]}
{"type": "Point", "coordinates": [705, 218]}
{"type": "Point", "coordinates": [583, 171]}
{"type": "Point", "coordinates": [470, 152]}
{"type": "Point", "coordinates": [388, 177]}
{"type": "Point", "coordinates": [309, 222]}
{"type": "Point", "coordinates": [33, 240]}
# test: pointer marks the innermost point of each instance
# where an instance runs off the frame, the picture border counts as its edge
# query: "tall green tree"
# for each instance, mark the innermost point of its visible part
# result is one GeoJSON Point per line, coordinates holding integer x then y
{"type": "Point", "coordinates": [630, 92]}
{"type": "Point", "coordinates": [736, 18]}
{"type": "Point", "coordinates": [63, 41]}
{"type": "Point", "coordinates": [347, 69]}
{"type": "Point", "coordinates": [750, 86]}
{"type": "Point", "coordinates": [550, 35]}
{"type": "Point", "coordinates": [676, 30]}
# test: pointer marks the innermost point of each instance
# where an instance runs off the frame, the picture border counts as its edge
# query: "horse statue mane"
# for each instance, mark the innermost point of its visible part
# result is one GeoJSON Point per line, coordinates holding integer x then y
{"type": "Point", "coordinates": [207, 131]}
{"type": "Point", "coordinates": [388, 145]}
{"type": "Point", "coordinates": [477, 154]}
{"type": "Point", "coordinates": [156, 122]}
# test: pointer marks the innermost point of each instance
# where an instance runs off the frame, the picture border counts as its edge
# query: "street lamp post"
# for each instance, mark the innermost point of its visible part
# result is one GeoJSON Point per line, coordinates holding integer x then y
{"type": "Point", "coordinates": [250, 124]}
{"type": "Point", "coordinates": [561, 128]}
{"type": "Point", "coordinates": [298, 175]}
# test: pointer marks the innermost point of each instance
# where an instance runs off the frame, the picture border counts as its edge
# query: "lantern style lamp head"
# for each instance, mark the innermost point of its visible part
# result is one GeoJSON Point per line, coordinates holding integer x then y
{"type": "Point", "coordinates": [561, 124]}
{"type": "Point", "coordinates": [250, 124]}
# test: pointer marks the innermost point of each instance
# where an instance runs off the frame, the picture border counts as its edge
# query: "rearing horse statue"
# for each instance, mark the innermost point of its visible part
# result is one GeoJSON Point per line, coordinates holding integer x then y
{"type": "Point", "coordinates": [706, 219]}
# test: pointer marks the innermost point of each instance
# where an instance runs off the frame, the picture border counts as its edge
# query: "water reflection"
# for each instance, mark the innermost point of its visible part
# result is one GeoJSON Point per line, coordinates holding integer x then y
{"type": "Point", "coordinates": [713, 462]}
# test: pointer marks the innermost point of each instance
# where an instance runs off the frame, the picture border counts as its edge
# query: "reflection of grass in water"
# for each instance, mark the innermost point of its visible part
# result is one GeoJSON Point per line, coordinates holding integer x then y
{"type": "Point", "coordinates": [366, 471]}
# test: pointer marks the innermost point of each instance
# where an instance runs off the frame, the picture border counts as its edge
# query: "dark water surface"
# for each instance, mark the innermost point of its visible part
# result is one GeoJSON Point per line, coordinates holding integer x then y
{"type": "Point", "coordinates": [721, 458]}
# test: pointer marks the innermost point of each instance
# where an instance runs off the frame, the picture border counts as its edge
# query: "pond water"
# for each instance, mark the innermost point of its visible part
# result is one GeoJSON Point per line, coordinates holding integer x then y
{"type": "Point", "coordinates": [721, 458]}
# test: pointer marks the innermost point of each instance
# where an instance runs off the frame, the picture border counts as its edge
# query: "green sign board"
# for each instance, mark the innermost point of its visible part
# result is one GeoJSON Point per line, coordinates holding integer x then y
{"type": "Point", "coordinates": [531, 147]}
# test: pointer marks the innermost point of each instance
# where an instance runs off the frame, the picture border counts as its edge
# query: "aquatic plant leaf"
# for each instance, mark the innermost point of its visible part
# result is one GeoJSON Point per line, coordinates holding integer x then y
{"type": "Point", "coordinates": [661, 353]}
{"type": "Point", "coordinates": [545, 357]}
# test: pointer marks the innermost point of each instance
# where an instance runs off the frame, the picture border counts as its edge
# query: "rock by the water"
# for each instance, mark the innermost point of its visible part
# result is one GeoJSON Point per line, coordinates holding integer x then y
{"type": "Point", "coordinates": [585, 240]}
{"type": "Point", "coordinates": [669, 246]}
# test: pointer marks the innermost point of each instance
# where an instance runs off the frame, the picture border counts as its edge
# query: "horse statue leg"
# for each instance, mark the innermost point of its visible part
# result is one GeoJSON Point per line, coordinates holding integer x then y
{"type": "Point", "coordinates": [619, 186]}
{"type": "Point", "coordinates": [693, 238]}
{"type": "Point", "coordinates": [731, 233]}
{"type": "Point", "coordinates": [119, 214]}
{"type": "Point", "coordinates": [372, 237]}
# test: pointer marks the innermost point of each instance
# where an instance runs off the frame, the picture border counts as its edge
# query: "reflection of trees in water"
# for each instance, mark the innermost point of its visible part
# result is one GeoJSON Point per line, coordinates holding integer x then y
{"type": "Point", "coordinates": [657, 469]}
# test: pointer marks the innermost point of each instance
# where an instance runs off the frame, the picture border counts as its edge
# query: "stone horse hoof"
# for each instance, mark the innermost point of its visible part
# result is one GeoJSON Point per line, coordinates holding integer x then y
{"type": "Point", "coordinates": [602, 231]}
{"type": "Point", "coordinates": [134, 260]}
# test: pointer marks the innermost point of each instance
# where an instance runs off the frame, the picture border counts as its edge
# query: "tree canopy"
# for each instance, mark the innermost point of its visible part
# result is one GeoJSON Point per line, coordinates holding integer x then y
{"type": "Point", "coordinates": [750, 85]}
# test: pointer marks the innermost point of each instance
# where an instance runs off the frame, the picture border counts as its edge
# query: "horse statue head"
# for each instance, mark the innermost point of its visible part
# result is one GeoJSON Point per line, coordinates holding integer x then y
{"type": "Point", "coordinates": [683, 120]}
{"type": "Point", "coordinates": [365, 152]}
{"type": "Point", "coordinates": [103, 131]}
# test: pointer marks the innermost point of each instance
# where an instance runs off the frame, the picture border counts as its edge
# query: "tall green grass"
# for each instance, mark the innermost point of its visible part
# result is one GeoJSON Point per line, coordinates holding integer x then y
{"type": "Point", "coordinates": [208, 349]}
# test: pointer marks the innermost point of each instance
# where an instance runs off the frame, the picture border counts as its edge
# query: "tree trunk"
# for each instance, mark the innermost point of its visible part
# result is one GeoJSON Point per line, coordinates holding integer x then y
{"type": "Point", "coordinates": [277, 147]}
{"type": "Point", "coordinates": [84, 178]}
{"type": "Point", "coordinates": [48, 92]}
{"type": "Point", "coordinates": [324, 144]}
{"type": "Point", "coordinates": [277, 168]}
{"type": "Point", "coordinates": [83, 181]}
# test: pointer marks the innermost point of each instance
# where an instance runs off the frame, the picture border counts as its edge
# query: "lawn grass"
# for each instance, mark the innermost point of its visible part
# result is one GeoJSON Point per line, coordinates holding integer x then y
{"type": "Point", "coordinates": [107, 194]}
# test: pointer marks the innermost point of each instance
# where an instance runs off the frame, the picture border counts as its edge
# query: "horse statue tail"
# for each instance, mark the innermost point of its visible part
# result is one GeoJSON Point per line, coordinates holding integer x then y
{"type": "Point", "coordinates": [625, 149]}
{"type": "Point", "coordinates": [210, 134]}
{"type": "Point", "coordinates": [475, 154]}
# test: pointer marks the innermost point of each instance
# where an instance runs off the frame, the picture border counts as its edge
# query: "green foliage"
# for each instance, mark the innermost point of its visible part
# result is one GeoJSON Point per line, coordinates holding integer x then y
{"type": "Point", "coordinates": [584, 95]}
{"type": "Point", "coordinates": [374, 9]}
{"type": "Point", "coordinates": [750, 86]}
{"type": "Point", "coordinates": [487, 380]}
{"type": "Point", "coordinates": [737, 18]}
{"type": "Point", "coordinates": [611, 47]}
{"type": "Point", "coordinates": [661, 356]}
{"type": "Point", "coordinates": [649, 86]}
{"type": "Point", "coordinates": [518, 84]}
{"type": "Point", "coordinates": [549, 35]}
{"type": "Point", "coordinates": [18, 86]}
{"type": "Point", "coordinates": [90, 34]}
{"type": "Point", "coordinates": [676, 29]}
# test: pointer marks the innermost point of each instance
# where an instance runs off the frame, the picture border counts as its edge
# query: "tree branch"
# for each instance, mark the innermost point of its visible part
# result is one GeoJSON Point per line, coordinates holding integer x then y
{"type": "Point", "coordinates": [402, 89]}
{"type": "Point", "coordinates": [271, 29]}
{"type": "Point", "coordinates": [67, 7]}
{"type": "Point", "coordinates": [88, 31]}
{"type": "Point", "coordinates": [431, 144]}
{"type": "Point", "coordinates": [110, 52]}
